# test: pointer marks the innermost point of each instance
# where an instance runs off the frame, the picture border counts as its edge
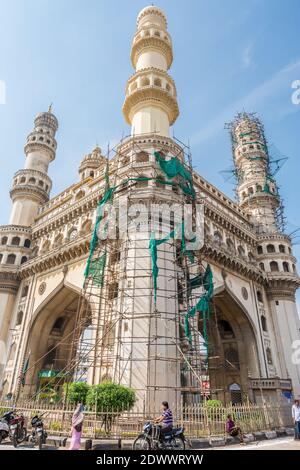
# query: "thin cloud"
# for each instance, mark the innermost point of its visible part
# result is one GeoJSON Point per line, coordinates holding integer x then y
{"type": "Point", "coordinates": [250, 102]}
{"type": "Point", "coordinates": [247, 56]}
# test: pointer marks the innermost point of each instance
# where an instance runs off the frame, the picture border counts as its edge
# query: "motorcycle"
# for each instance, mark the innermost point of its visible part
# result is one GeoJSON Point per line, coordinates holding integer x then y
{"type": "Point", "coordinates": [18, 431]}
{"type": "Point", "coordinates": [38, 434]}
{"type": "Point", "coordinates": [4, 425]}
{"type": "Point", "coordinates": [151, 438]}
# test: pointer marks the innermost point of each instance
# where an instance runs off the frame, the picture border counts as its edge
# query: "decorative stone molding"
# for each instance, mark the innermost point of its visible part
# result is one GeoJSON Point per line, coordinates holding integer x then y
{"type": "Point", "coordinates": [151, 95]}
{"type": "Point", "coordinates": [223, 258]}
{"type": "Point", "coordinates": [57, 257]}
{"type": "Point", "coordinates": [42, 288]}
{"type": "Point", "coordinates": [282, 286]}
{"type": "Point", "coordinates": [9, 280]}
{"type": "Point", "coordinates": [37, 146]}
{"type": "Point", "coordinates": [152, 10]}
{"type": "Point", "coordinates": [32, 191]}
{"type": "Point", "coordinates": [216, 215]}
{"type": "Point", "coordinates": [15, 229]}
{"type": "Point", "coordinates": [160, 44]}
{"type": "Point", "coordinates": [260, 198]}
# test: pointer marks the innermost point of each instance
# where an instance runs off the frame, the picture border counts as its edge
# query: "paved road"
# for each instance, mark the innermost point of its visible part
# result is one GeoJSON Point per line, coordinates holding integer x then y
{"type": "Point", "coordinates": [286, 443]}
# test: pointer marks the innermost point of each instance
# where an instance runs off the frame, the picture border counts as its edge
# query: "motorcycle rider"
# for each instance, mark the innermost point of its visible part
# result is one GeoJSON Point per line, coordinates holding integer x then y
{"type": "Point", "coordinates": [165, 420]}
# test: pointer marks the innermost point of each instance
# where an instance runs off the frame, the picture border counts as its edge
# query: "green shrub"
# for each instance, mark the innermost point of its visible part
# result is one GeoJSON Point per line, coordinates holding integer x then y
{"type": "Point", "coordinates": [50, 396]}
{"type": "Point", "coordinates": [110, 397]}
{"type": "Point", "coordinates": [76, 392]}
{"type": "Point", "coordinates": [55, 426]}
{"type": "Point", "coordinates": [213, 404]}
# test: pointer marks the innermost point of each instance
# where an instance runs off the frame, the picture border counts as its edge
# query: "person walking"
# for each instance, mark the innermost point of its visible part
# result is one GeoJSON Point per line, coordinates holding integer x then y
{"type": "Point", "coordinates": [77, 422]}
{"type": "Point", "coordinates": [296, 418]}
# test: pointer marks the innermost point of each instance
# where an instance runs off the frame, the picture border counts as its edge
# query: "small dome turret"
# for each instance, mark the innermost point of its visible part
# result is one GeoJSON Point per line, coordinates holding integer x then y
{"type": "Point", "coordinates": [91, 162]}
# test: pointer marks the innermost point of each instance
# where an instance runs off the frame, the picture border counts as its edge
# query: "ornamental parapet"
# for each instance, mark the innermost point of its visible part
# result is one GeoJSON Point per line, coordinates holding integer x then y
{"type": "Point", "coordinates": [9, 279]}
{"type": "Point", "coordinates": [151, 87]}
{"type": "Point", "coordinates": [49, 145]}
{"type": "Point", "coordinates": [29, 190]}
{"type": "Point", "coordinates": [29, 181]}
{"type": "Point", "coordinates": [224, 257]}
{"type": "Point", "coordinates": [58, 256]}
{"type": "Point", "coordinates": [153, 39]}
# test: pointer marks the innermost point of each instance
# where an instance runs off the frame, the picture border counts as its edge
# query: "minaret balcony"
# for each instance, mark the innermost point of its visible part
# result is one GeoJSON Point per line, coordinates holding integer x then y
{"type": "Point", "coordinates": [152, 39]}
{"type": "Point", "coordinates": [148, 88]}
{"type": "Point", "coordinates": [33, 178]}
{"type": "Point", "coordinates": [250, 153]}
{"type": "Point", "coordinates": [31, 181]}
{"type": "Point", "coordinates": [37, 142]}
{"type": "Point", "coordinates": [259, 199]}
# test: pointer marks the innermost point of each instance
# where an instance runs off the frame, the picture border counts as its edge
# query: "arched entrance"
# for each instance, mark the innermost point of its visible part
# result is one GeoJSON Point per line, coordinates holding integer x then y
{"type": "Point", "coordinates": [51, 341]}
{"type": "Point", "coordinates": [233, 355]}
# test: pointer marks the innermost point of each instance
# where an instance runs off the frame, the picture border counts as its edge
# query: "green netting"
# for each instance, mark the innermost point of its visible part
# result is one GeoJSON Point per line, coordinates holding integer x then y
{"type": "Point", "coordinates": [94, 241]}
{"type": "Point", "coordinates": [243, 134]}
{"type": "Point", "coordinates": [174, 168]}
{"type": "Point", "coordinates": [203, 306]}
{"type": "Point", "coordinates": [195, 282]}
{"type": "Point", "coordinates": [96, 270]}
{"type": "Point", "coordinates": [255, 158]}
{"type": "Point", "coordinates": [153, 244]}
{"type": "Point", "coordinates": [266, 189]}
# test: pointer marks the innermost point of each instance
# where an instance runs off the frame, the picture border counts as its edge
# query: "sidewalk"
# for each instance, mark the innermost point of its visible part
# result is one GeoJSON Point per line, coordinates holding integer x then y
{"type": "Point", "coordinates": [201, 443]}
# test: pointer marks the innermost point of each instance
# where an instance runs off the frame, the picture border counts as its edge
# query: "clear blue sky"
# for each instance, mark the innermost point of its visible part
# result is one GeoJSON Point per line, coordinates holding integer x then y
{"type": "Point", "coordinates": [229, 55]}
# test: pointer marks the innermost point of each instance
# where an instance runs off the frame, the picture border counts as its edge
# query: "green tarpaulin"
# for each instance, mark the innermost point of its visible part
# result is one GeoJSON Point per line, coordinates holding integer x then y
{"type": "Point", "coordinates": [97, 268]}
{"type": "Point", "coordinates": [203, 306]}
{"type": "Point", "coordinates": [174, 168]}
{"type": "Point", "coordinates": [94, 241]}
{"type": "Point", "coordinates": [153, 244]}
{"type": "Point", "coordinates": [195, 282]}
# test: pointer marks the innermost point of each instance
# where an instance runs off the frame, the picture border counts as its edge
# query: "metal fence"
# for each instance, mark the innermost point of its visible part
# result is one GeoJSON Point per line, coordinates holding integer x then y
{"type": "Point", "coordinates": [198, 420]}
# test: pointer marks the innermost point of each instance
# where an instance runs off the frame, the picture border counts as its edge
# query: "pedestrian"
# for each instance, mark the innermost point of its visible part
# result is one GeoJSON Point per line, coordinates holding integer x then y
{"type": "Point", "coordinates": [234, 430]}
{"type": "Point", "coordinates": [296, 418]}
{"type": "Point", "coordinates": [77, 422]}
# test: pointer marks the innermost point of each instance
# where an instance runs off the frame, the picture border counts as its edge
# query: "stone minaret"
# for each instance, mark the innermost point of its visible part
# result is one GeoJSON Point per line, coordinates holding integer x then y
{"type": "Point", "coordinates": [32, 185]}
{"type": "Point", "coordinates": [258, 195]}
{"type": "Point", "coordinates": [31, 188]}
{"type": "Point", "coordinates": [257, 190]}
{"type": "Point", "coordinates": [150, 104]}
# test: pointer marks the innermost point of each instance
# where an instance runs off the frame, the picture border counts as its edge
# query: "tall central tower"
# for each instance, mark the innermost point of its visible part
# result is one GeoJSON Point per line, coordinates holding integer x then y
{"type": "Point", "coordinates": [150, 104]}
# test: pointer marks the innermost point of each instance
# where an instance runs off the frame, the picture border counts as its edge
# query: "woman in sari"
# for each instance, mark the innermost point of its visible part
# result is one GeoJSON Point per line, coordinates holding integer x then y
{"type": "Point", "coordinates": [77, 421]}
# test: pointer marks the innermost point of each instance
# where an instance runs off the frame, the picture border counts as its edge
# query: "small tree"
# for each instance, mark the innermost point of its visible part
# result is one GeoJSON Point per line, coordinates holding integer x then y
{"type": "Point", "coordinates": [76, 392]}
{"type": "Point", "coordinates": [110, 399]}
